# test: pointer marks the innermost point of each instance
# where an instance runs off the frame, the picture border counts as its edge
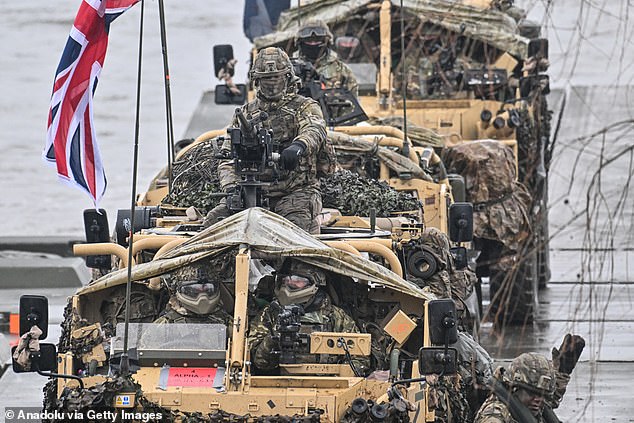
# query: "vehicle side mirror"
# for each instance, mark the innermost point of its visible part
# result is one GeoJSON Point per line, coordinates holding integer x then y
{"type": "Point", "coordinates": [460, 258]}
{"type": "Point", "coordinates": [223, 54]}
{"type": "Point", "coordinates": [45, 360]}
{"type": "Point", "coordinates": [461, 222]}
{"type": "Point", "coordinates": [224, 95]}
{"type": "Point", "coordinates": [434, 360]}
{"type": "Point", "coordinates": [442, 321]}
{"type": "Point", "coordinates": [97, 230]}
{"type": "Point", "coordinates": [34, 312]}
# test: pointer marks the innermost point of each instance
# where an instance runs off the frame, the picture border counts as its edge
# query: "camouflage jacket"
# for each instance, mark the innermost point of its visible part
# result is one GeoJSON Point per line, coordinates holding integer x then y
{"type": "Point", "coordinates": [328, 318]}
{"type": "Point", "coordinates": [294, 117]}
{"type": "Point", "coordinates": [335, 73]}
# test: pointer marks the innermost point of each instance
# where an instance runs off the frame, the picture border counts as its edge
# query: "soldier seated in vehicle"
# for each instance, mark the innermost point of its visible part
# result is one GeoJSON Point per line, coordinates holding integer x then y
{"type": "Point", "coordinates": [303, 285]}
{"type": "Point", "coordinates": [195, 298]}
{"type": "Point", "coordinates": [314, 45]}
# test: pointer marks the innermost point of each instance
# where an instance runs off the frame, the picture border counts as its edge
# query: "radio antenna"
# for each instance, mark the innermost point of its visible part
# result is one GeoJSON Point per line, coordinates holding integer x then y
{"type": "Point", "coordinates": [404, 86]}
{"type": "Point", "coordinates": [124, 368]}
{"type": "Point", "coordinates": [171, 155]}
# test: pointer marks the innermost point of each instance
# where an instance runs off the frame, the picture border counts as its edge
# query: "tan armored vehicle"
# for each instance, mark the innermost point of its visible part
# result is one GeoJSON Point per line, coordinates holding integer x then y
{"type": "Point", "coordinates": [473, 72]}
{"type": "Point", "coordinates": [183, 371]}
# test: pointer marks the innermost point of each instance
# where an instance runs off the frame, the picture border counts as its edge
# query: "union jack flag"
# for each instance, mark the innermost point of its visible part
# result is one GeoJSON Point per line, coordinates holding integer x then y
{"type": "Point", "coordinates": [70, 139]}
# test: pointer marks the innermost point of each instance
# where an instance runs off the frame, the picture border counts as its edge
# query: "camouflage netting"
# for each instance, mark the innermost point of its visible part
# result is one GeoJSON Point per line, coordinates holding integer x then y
{"type": "Point", "coordinates": [352, 194]}
{"type": "Point", "coordinates": [501, 204]}
{"type": "Point", "coordinates": [490, 26]}
{"type": "Point", "coordinates": [195, 178]}
{"type": "Point", "coordinates": [417, 134]}
{"type": "Point", "coordinates": [101, 397]}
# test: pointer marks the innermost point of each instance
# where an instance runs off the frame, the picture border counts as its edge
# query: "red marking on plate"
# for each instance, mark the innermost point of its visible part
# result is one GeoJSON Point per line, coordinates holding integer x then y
{"type": "Point", "coordinates": [191, 376]}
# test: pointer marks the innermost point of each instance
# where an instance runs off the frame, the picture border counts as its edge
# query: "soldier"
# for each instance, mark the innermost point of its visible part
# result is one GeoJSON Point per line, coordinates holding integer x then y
{"type": "Point", "coordinates": [298, 131]}
{"type": "Point", "coordinates": [313, 41]}
{"type": "Point", "coordinates": [532, 386]}
{"type": "Point", "coordinates": [299, 284]}
{"type": "Point", "coordinates": [195, 300]}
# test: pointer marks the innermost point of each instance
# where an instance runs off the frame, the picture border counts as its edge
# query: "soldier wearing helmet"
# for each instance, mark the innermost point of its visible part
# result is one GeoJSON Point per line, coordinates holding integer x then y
{"type": "Point", "coordinates": [313, 41]}
{"type": "Point", "coordinates": [527, 386]}
{"type": "Point", "coordinates": [195, 298]}
{"type": "Point", "coordinates": [299, 135]}
{"type": "Point", "coordinates": [304, 285]}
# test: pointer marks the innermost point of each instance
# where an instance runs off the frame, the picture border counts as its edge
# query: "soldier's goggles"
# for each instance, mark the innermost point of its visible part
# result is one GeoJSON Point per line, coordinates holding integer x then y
{"type": "Point", "coordinates": [312, 31]}
{"type": "Point", "coordinates": [295, 282]}
{"type": "Point", "coordinates": [193, 290]}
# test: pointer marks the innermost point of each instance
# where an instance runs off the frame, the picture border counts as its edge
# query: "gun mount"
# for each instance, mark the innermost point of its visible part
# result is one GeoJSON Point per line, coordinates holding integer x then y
{"type": "Point", "coordinates": [252, 153]}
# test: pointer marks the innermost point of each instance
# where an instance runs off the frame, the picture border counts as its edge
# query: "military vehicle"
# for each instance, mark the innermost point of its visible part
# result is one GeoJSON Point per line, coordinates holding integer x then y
{"type": "Point", "coordinates": [474, 72]}
{"type": "Point", "coordinates": [203, 372]}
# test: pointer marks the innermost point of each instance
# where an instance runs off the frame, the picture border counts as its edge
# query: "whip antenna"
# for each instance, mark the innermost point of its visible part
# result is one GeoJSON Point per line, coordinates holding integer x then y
{"type": "Point", "coordinates": [125, 362]}
{"type": "Point", "coordinates": [404, 87]}
{"type": "Point", "coordinates": [171, 155]}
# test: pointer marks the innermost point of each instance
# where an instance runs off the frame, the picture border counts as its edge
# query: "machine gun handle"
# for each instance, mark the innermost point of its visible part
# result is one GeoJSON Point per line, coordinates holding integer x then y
{"type": "Point", "coordinates": [244, 123]}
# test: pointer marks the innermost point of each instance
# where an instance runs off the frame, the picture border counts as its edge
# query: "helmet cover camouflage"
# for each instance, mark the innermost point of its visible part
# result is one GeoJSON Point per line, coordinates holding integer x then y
{"type": "Point", "coordinates": [271, 61]}
{"type": "Point", "coordinates": [533, 372]}
{"type": "Point", "coordinates": [272, 72]}
{"type": "Point", "coordinates": [314, 29]}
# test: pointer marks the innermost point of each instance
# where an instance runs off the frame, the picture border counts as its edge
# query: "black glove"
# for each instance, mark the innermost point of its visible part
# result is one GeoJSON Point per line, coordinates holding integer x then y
{"type": "Point", "coordinates": [565, 358]}
{"type": "Point", "coordinates": [289, 158]}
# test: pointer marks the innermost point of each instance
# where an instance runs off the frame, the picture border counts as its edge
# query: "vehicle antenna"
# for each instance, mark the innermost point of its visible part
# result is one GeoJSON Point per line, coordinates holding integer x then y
{"type": "Point", "coordinates": [171, 155]}
{"type": "Point", "coordinates": [125, 362]}
{"type": "Point", "coordinates": [404, 87]}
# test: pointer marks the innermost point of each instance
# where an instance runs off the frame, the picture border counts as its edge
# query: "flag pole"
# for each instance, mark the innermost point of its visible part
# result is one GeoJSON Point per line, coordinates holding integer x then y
{"type": "Point", "coordinates": [171, 155]}
{"type": "Point", "coordinates": [125, 362]}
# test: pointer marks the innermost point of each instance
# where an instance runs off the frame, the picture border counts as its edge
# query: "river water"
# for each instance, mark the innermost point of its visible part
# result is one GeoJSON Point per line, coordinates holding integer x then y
{"type": "Point", "coordinates": [590, 44]}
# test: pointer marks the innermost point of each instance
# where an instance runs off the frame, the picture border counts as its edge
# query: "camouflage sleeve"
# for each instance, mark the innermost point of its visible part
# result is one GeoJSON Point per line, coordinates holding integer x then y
{"type": "Point", "coordinates": [226, 174]}
{"type": "Point", "coordinates": [351, 82]}
{"type": "Point", "coordinates": [261, 342]}
{"type": "Point", "coordinates": [494, 412]}
{"type": "Point", "coordinates": [311, 127]}
{"type": "Point", "coordinates": [561, 383]}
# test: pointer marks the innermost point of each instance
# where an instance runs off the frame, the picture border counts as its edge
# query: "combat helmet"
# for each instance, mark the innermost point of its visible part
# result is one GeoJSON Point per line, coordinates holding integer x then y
{"type": "Point", "coordinates": [533, 372]}
{"type": "Point", "coordinates": [298, 283]}
{"type": "Point", "coordinates": [272, 73]}
{"type": "Point", "coordinates": [198, 293]}
{"type": "Point", "coordinates": [313, 39]}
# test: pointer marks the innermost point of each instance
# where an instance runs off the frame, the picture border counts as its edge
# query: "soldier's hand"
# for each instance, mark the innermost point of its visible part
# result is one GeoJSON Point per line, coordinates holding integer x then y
{"type": "Point", "coordinates": [289, 159]}
{"type": "Point", "coordinates": [565, 358]}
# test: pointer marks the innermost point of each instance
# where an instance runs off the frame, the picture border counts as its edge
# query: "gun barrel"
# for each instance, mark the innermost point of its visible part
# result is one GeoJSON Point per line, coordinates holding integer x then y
{"type": "Point", "coordinates": [244, 123]}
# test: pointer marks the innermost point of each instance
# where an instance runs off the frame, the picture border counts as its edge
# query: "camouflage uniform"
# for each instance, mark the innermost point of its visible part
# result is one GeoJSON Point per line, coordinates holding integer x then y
{"type": "Point", "coordinates": [294, 194]}
{"type": "Point", "coordinates": [333, 72]}
{"type": "Point", "coordinates": [530, 371]}
{"type": "Point", "coordinates": [322, 316]}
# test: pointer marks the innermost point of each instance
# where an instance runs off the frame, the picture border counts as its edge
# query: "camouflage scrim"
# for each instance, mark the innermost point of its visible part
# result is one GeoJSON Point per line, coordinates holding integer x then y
{"type": "Point", "coordinates": [500, 203]}
{"type": "Point", "coordinates": [419, 136]}
{"type": "Point", "coordinates": [353, 194]}
{"type": "Point", "coordinates": [490, 26]}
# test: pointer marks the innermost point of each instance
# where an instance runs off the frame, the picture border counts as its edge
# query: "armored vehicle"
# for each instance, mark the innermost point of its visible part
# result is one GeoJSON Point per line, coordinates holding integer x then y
{"type": "Point", "coordinates": [204, 371]}
{"type": "Point", "coordinates": [472, 72]}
